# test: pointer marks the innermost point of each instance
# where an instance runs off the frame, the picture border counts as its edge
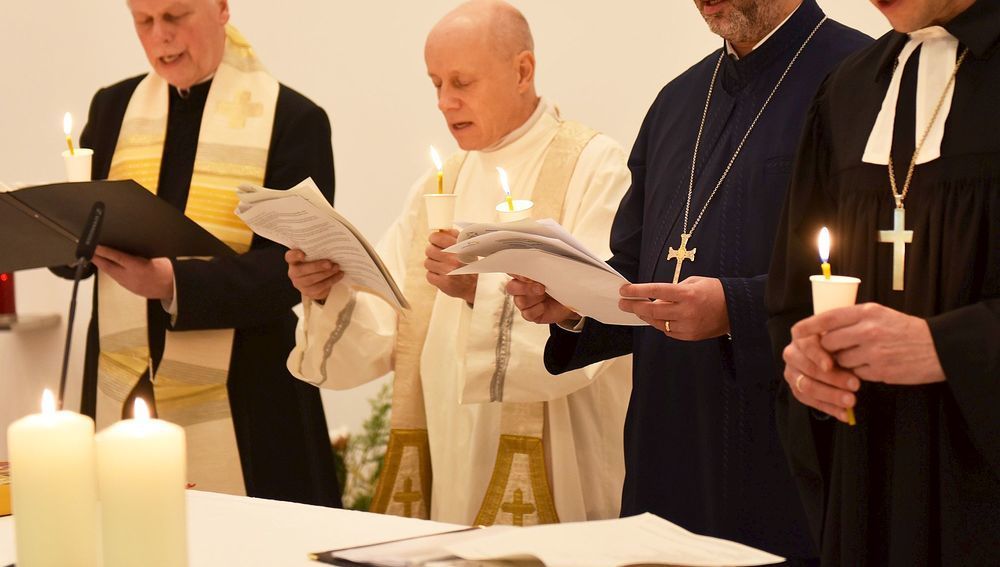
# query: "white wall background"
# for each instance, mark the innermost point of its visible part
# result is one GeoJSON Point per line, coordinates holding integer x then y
{"type": "Point", "coordinates": [601, 62]}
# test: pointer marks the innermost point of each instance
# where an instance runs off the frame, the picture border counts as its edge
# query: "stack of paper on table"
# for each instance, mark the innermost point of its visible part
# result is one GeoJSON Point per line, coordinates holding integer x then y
{"type": "Point", "coordinates": [638, 540]}
{"type": "Point", "coordinates": [302, 218]}
{"type": "Point", "coordinates": [546, 252]}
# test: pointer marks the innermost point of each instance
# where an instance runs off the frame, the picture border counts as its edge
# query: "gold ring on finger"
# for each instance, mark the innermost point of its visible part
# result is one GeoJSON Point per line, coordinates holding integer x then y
{"type": "Point", "coordinates": [798, 382]}
{"type": "Point", "coordinates": [666, 326]}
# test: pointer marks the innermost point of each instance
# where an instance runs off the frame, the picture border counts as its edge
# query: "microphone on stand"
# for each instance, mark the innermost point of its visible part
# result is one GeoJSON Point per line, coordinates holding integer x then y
{"type": "Point", "coordinates": [84, 252]}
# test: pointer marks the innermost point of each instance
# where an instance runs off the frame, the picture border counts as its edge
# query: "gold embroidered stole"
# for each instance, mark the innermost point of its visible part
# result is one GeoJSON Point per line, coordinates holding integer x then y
{"type": "Point", "coordinates": [404, 487]}
{"type": "Point", "coordinates": [190, 382]}
{"type": "Point", "coordinates": [519, 491]}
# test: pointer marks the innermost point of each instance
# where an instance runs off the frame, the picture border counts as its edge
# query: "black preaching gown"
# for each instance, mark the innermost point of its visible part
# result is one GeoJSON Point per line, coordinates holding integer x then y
{"type": "Point", "coordinates": [917, 480]}
{"type": "Point", "coordinates": [280, 426]}
{"type": "Point", "coordinates": [701, 448]}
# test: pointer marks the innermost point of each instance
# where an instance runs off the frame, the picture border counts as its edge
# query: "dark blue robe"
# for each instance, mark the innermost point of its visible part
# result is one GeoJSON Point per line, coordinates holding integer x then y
{"type": "Point", "coordinates": [701, 448]}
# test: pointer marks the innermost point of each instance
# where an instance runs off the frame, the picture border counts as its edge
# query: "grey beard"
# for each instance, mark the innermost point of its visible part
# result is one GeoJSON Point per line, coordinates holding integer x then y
{"type": "Point", "coordinates": [747, 23]}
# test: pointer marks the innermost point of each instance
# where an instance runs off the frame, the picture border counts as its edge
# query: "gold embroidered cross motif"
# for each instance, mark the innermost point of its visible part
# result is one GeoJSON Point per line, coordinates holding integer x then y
{"type": "Point", "coordinates": [407, 497]}
{"type": "Point", "coordinates": [518, 507]}
{"type": "Point", "coordinates": [239, 109]}
{"type": "Point", "coordinates": [899, 237]}
{"type": "Point", "coordinates": [681, 254]}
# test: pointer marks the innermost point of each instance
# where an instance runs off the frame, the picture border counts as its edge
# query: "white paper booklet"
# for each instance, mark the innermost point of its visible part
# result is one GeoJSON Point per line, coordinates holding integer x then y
{"type": "Point", "coordinates": [302, 218]}
{"type": "Point", "coordinates": [638, 540]}
{"type": "Point", "coordinates": [546, 252]}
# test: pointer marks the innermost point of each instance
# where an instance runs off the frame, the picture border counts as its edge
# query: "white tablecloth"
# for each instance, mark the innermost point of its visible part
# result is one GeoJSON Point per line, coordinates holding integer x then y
{"type": "Point", "coordinates": [234, 530]}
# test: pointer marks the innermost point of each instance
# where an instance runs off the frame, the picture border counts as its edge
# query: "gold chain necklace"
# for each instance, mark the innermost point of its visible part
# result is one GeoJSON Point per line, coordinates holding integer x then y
{"type": "Point", "coordinates": [682, 253]}
{"type": "Point", "coordinates": [899, 237]}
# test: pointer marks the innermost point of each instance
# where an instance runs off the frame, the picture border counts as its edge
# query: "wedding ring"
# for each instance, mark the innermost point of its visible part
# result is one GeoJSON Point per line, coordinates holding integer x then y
{"type": "Point", "coordinates": [798, 382]}
{"type": "Point", "coordinates": [666, 326]}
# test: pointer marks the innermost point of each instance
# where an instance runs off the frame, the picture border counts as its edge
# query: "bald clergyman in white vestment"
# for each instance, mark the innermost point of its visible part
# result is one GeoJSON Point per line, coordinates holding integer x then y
{"type": "Point", "coordinates": [481, 433]}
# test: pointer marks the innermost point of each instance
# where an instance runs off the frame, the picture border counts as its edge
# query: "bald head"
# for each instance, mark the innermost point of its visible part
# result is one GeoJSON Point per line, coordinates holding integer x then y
{"type": "Point", "coordinates": [481, 59]}
{"type": "Point", "coordinates": [497, 23]}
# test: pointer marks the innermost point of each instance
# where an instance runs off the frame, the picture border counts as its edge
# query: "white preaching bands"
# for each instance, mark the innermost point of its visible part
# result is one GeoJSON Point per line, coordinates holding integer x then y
{"type": "Point", "coordinates": [937, 61]}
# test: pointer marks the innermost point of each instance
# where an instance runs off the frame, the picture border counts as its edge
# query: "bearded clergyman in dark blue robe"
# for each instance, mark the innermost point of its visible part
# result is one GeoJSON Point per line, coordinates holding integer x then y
{"type": "Point", "coordinates": [695, 231]}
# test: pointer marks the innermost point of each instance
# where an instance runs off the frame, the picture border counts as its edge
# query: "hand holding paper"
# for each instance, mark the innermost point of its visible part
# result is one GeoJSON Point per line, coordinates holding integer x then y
{"type": "Point", "coordinates": [440, 264]}
{"type": "Point", "coordinates": [152, 278]}
{"type": "Point", "coordinates": [536, 305]}
{"type": "Point", "coordinates": [695, 308]}
{"type": "Point", "coordinates": [545, 252]}
{"type": "Point", "coordinates": [300, 218]}
{"type": "Point", "coordinates": [313, 279]}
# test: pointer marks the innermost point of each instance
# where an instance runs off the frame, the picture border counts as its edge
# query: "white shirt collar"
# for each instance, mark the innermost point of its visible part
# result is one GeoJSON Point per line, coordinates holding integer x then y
{"type": "Point", "coordinates": [543, 108]}
{"type": "Point", "coordinates": [732, 52]}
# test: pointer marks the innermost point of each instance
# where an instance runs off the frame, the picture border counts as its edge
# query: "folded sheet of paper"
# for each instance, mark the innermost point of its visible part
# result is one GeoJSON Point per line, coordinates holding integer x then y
{"type": "Point", "coordinates": [302, 218]}
{"type": "Point", "coordinates": [546, 252]}
{"type": "Point", "coordinates": [409, 552]}
{"type": "Point", "coordinates": [638, 540]}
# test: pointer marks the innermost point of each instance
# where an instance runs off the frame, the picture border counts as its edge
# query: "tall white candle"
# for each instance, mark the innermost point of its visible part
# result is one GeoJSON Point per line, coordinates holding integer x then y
{"type": "Point", "coordinates": [141, 469]}
{"type": "Point", "coordinates": [53, 488]}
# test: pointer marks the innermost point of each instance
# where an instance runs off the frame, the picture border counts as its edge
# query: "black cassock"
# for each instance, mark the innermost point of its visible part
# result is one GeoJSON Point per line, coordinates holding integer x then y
{"type": "Point", "coordinates": [701, 448]}
{"type": "Point", "coordinates": [281, 430]}
{"type": "Point", "coordinates": [917, 480]}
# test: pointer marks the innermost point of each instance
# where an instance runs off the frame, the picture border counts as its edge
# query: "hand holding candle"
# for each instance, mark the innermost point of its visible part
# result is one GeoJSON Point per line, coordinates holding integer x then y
{"type": "Point", "coordinates": [829, 291]}
{"type": "Point", "coordinates": [53, 487]}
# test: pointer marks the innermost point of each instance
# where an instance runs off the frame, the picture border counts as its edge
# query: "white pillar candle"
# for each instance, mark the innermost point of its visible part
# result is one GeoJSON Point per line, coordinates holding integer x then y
{"type": "Point", "coordinates": [141, 474]}
{"type": "Point", "coordinates": [53, 488]}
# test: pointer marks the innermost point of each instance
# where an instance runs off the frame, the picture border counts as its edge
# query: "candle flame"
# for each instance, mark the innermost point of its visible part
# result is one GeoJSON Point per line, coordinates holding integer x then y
{"type": "Point", "coordinates": [48, 402]}
{"type": "Point", "coordinates": [503, 181]}
{"type": "Point", "coordinates": [436, 158]}
{"type": "Point", "coordinates": [824, 245]}
{"type": "Point", "coordinates": [68, 123]}
{"type": "Point", "coordinates": [141, 411]}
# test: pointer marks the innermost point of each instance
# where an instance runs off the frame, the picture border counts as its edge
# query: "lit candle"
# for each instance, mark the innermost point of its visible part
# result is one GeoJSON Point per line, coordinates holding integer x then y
{"type": "Point", "coordinates": [53, 487]}
{"type": "Point", "coordinates": [77, 161]}
{"type": "Point", "coordinates": [824, 251]}
{"type": "Point", "coordinates": [141, 471]}
{"type": "Point", "coordinates": [437, 163]}
{"type": "Point", "coordinates": [506, 188]}
{"type": "Point", "coordinates": [830, 292]}
{"type": "Point", "coordinates": [68, 129]}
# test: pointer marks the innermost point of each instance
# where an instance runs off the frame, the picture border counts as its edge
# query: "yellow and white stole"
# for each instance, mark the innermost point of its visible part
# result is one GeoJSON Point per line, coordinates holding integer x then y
{"type": "Point", "coordinates": [190, 382]}
{"type": "Point", "coordinates": [519, 489]}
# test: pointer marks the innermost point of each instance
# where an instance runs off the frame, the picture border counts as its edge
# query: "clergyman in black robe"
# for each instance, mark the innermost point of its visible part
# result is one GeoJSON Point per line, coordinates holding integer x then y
{"type": "Point", "coordinates": [279, 422]}
{"type": "Point", "coordinates": [701, 447]}
{"type": "Point", "coordinates": [917, 480]}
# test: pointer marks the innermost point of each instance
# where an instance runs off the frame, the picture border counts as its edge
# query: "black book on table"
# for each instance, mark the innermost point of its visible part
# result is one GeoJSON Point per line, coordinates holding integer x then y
{"type": "Point", "coordinates": [40, 226]}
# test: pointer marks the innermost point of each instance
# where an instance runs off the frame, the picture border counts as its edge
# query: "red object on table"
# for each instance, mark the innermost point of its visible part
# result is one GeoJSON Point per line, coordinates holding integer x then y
{"type": "Point", "coordinates": [8, 309]}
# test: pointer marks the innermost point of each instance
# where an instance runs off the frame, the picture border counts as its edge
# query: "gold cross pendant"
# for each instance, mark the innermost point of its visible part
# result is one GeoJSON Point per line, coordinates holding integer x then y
{"type": "Point", "coordinates": [681, 254]}
{"type": "Point", "coordinates": [899, 237]}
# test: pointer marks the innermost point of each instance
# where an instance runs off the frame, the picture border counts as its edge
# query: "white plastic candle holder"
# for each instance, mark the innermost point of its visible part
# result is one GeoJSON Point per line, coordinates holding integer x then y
{"type": "Point", "coordinates": [522, 210]}
{"type": "Point", "coordinates": [78, 164]}
{"type": "Point", "coordinates": [440, 210]}
{"type": "Point", "coordinates": [838, 291]}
